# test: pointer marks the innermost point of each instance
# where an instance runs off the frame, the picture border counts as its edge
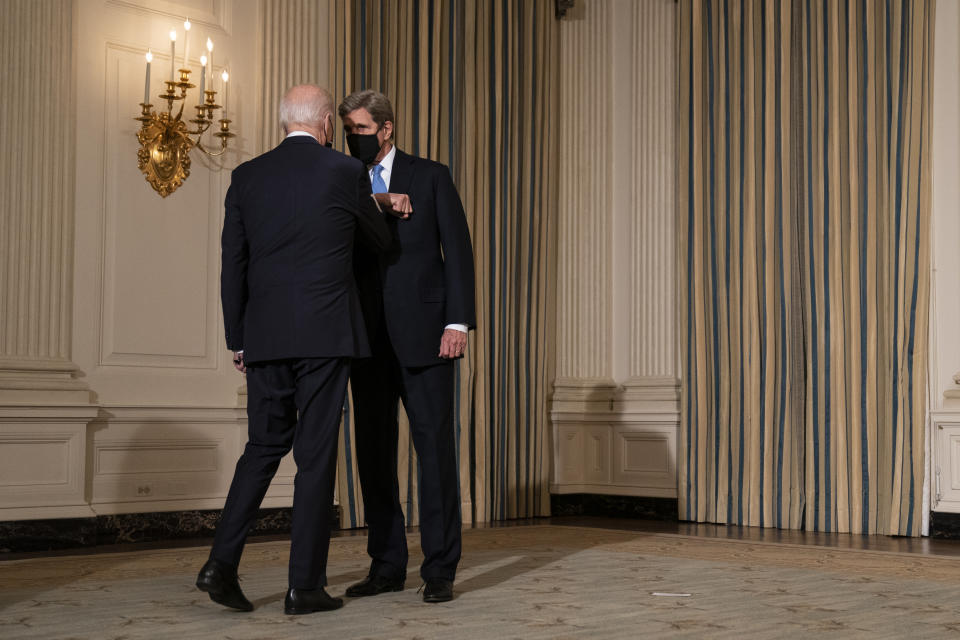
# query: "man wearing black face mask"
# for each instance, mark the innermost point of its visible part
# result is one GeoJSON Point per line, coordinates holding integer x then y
{"type": "Point", "coordinates": [418, 303]}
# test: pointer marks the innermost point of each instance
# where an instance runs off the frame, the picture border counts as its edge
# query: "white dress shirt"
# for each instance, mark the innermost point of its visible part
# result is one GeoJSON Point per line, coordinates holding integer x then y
{"type": "Point", "coordinates": [387, 164]}
{"type": "Point", "coordinates": [300, 133]}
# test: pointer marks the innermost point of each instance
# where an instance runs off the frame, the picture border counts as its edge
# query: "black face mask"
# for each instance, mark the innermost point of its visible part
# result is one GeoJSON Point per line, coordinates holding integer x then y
{"type": "Point", "coordinates": [364, 146]}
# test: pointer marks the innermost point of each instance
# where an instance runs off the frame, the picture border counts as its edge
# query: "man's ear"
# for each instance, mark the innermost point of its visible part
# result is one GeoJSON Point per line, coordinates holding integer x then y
{"type": "Point", "coordinates": [388, 130]}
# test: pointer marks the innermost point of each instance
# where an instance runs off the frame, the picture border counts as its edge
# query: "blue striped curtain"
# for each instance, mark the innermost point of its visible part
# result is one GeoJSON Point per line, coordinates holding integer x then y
{"type": "Point", "coordinates": [474, 85]}
{"type": "Point", "coordinates": [805, 205]}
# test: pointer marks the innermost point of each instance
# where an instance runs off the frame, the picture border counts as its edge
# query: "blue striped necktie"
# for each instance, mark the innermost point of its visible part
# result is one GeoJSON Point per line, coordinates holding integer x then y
{"type": "Point", "coordinates": [379, 186]}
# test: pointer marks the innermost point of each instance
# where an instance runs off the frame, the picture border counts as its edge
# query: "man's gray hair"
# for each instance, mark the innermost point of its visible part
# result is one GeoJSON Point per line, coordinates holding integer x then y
{"type": "Point", "coordinates": [305, 104]}
{"type": "Point", "coordinates": [376, 104]}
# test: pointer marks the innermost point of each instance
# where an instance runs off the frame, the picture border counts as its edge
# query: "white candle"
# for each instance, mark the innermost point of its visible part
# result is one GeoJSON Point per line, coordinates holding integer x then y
{"type": "Point", "coordinates": [173, 54]}
{"type": "Point", "coordinates": [210, 59]}
{"type": "Point", "coordinates": [146, 83]}
{"type": "Point", "coordinates": [203, 76]}
{"type": "Point", "coordinates": [186, 43]}
{"type": "Point", "coordinates": [225, 76]}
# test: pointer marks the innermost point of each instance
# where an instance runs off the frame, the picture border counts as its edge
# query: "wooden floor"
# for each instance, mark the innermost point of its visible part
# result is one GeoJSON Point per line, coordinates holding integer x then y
{"type": "Point", "coordinates": [922, 546]}
{"type": "Point", "coordinates": [926, 546]}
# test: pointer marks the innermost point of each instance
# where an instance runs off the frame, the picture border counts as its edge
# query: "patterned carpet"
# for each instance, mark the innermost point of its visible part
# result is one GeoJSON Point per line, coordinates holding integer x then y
{"type": "Point", "coordinates": [541, 581]}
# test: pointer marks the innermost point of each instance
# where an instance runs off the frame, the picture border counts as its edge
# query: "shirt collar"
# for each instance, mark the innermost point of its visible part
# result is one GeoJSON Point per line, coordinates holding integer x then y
{"type": "Point", "coordinates": [300, 133]}
{"type": "Point", "coordinates": [387, 162]}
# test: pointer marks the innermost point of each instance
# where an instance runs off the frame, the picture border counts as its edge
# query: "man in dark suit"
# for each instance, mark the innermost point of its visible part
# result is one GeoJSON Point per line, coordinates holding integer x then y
{"type": "Point", "coordinates": [293, 320]}
{"type": "Point", "coordinates": [418, 302]}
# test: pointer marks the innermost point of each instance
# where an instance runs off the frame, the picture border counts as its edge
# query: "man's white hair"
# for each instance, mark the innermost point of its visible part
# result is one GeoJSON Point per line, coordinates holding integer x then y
{"type": "Point", "coordinates": [305, 104]}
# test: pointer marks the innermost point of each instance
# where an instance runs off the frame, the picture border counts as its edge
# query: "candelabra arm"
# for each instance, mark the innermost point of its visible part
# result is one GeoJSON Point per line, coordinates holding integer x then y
{"type": "Point", "coordinates": [213, 154]}
{"type": "Point", "coordinates": [200, 130]}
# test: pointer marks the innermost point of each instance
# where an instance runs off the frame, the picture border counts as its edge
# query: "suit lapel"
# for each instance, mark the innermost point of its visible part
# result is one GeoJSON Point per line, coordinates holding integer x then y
{"type": "Point", "coordinates": [402, 175]}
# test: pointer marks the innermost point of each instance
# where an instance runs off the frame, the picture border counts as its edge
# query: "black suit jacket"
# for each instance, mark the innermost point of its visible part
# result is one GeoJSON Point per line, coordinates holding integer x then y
{"type": "Point", "coordinates": [426, 277]}
{"type": "Point", "coordinates": [287, 283]}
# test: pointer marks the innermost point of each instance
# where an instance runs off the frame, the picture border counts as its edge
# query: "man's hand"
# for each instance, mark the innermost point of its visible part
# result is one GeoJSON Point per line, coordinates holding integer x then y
{"type": "Point", "coordinates": [238, 362]}
{"type": "Point", "coordinates": [453, 343]}
{"type": "Point", "coordinates": [396, 204]}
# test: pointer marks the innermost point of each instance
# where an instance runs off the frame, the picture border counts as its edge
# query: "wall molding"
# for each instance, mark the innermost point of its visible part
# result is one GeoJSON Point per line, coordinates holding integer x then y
{"type": "Point", "coordinates": [111, 354]}
{"type": "Point", "coordinates": [43, 459]}
{"type": "Point", "coordinates": [616, 439]}
{"type": "Point", "coordinates": [40, 382]}
{"type": "Point", "coordinates": [128, 459]}
{"type": "Point", "coordinates": [944, 472]}
{"type": "Point", "coordinates": [219, 18]}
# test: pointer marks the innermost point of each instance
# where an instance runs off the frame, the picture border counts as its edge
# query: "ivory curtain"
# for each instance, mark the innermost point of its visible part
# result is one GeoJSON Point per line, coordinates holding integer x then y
{"type": "Point", "coordinates": [474, 85]}
{"type": "Point", "coordinates": [804, 211]}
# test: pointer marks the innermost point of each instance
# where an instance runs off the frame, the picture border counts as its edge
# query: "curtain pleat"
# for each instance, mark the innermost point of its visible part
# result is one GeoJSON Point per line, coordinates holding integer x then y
{"type": "Point", "coordinates": [290, 29]}
{"type": "Point", "coordinates": [805, 203]}
{"type": "Point", "coordinates": [474, 85]}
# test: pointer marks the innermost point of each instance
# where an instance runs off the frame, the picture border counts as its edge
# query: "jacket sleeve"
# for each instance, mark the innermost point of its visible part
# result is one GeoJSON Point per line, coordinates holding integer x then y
{"type": "Point", "coordinates": [235, 255]}
{"type": "Point", "coordinates": [372, 223]}
{"type": "Point", "coordinates": [457, 251]}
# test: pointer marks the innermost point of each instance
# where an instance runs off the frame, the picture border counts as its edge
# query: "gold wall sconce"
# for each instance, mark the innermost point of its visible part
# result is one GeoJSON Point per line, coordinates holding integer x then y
{"type": "Point", "coordinates": [165, 139]}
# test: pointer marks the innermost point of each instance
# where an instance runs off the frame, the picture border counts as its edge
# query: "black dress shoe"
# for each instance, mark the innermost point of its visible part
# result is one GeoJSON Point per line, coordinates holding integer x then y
{"type": "Point", "coordinates": [309, 600]}
{"type": "Point", "coordinates": [220, 582]}
{"type": "Point", "coordinates": [373, 585]}
{"type": "Point", "coordinates": [438, 590]}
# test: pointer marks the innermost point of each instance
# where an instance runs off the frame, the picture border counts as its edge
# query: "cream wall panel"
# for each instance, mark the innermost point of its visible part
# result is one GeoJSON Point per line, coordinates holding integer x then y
{"type": "Point", "coordinates": [945, 227]}
{"type": "Point", "coordinates": [645, 455]}
{"type": "Point", "coordinates": [164, 458]}
{"type": "Point", "coordinates": [653, 343]}
{"type": "Point", "coordinates": [212, 13]}
{"type": "Point", "coordinates": [946, 465]}
{"type": "Point", "coordinates": [597, 454]}
{"type": "Point", "coordinates": [615, 406]}
{"type": "Point", "coordinates": [41, 463]}
{"type": "Point", "coordinates": [643, 39]}
{"type": "Point", "coordinates": [36, 191]}
{"type": "Point", "coordinates": [953, 451]}
{"type": "Point", "coordinates": [33, 460]}
{"type": "Point", "coordinates": [155, 456]}
{"type": "Point", "coordinates": [147, 326]}
{"type": "Point", "coordinates": [584, 234]}
{"type": "Point", "coordinates": [941, 491]}
{"type": "Point", "coordinates": [570, 465]}
{"type": "Point", "coordinates": [160, 283]}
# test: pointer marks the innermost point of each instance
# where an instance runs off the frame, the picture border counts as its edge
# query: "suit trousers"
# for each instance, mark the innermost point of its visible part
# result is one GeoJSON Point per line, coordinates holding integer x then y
{"type": "Point", "coordinates": [279, 392]}
{"type": "Point", "coordinates": [427, 393]}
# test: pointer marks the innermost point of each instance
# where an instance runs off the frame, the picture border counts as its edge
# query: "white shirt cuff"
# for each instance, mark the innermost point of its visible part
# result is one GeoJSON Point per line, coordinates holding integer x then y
{"type": "Point", "coordinates": [462, 328]}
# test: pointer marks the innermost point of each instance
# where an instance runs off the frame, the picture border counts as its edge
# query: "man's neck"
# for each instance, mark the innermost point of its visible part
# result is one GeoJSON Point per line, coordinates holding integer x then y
{"type": "Point", "coordinates": [299, 130]}
{"type": "Point", "coordinates": [383, 154]}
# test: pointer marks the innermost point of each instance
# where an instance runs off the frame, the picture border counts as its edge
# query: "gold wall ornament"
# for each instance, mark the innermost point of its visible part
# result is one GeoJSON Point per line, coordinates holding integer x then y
{"type": "Point", "coordinates": [166, 140]}
{"type": "Point", "coordinates": [164, 153]}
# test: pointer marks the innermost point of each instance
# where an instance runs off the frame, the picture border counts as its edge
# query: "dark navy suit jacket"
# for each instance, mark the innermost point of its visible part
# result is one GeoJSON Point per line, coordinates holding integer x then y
{"type": "Point", "coordinates": [287, 282]}
{"type": "Point", "coordinates": [426, 277]}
